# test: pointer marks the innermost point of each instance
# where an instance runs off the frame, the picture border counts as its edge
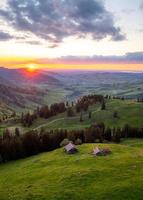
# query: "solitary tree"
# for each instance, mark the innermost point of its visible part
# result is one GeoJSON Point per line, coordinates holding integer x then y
{"type": "Point", "coordinates": [103, 106]}
{"type": "Point", "coordinates": [81, 117]}
{"type": "Point", "coordinates": [90, 115]}
{"type": "Point", "coordinates": [70, 112]}
{"type": "Point", "coordinates": [115, 114]}
{"type": "Point", "coordinates": [17, 132]}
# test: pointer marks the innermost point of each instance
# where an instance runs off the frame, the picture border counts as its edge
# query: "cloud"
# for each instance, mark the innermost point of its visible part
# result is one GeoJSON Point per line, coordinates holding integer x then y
{"type": "Point", "coordinates": [5, 36]}
{"type": "Point", "coordinates": [135, 57]}
{"type": "Point", "coordinates": [128, 11]}
{"type": "Point", "coordinates": [141, 6]}
{"type": "Point", "coordinates": [34, 42]}
{"type": "Point", "coordinates": [55, 20]}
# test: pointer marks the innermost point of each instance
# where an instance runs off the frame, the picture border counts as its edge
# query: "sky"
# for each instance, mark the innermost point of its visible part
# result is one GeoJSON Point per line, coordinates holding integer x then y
{"type": "Point", "coordinates": [72, 34]}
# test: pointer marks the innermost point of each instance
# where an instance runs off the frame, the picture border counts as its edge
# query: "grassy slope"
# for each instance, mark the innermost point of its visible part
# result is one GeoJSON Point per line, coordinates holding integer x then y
{"type": "Point", "coordinates": [58, 176]}
{"type": "Point", "coordinates": [129, 112]}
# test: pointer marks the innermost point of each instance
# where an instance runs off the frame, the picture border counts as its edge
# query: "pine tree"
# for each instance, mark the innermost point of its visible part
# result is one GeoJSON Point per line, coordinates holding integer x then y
{"type": "Point", "coordinates": [70, 112]}
{"type": "Point", "coordinates": [90, 115]}
{"type": "Point", "coordinates": [103, 106]}
{"type": "Point", "coordinates": [81, 117]}
{"type": "Point", "coordinates": [6, 134]}
{"type": "Point", "coordinates": [67, 104]}
{"type": "Point", "coordinates": [17, 132]}
{"type": "Point", "coordinates": [115, 114]}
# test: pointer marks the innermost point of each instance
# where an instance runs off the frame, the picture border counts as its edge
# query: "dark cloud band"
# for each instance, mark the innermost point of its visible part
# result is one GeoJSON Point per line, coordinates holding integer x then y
{"type": "Point", "coordinates": [135, 57]}
{"type": "Point", "coordinates": [54, 20]}
{"type": "Point", "coordinates": [5, 36]}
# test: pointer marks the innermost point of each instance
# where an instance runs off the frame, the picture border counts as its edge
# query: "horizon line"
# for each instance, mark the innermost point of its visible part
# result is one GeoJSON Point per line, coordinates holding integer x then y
{"type": "Point", "coordinates": [76, 70]}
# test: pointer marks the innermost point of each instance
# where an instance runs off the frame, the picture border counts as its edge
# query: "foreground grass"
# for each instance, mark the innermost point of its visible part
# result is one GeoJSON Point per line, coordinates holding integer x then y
{"type": "Point", "coordinates": [58, 176]}
{"type": "Point", "coordinates": [133, 142]}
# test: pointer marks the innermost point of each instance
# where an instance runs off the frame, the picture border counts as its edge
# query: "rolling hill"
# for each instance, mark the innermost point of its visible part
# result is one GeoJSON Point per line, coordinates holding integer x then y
{"type": "Point", "coordinates": [79, 83]}
{"type": "Point", "coordinates": [21, 90]}
{"type": "Point", "coordinates": [129, 112]}
{"type": "Point", "coordinates": [18, 96]}
{"type": "Point", "coordinates": [23, 77]}
{"type": "Point", "coordinates": [21, 93]}
{"type": "Point", "coordinates": [58, 176]}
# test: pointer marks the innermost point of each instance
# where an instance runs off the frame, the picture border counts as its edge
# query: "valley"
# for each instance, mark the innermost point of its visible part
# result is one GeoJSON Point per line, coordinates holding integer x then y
{"type": "Point", "coordinates": [21, 91]}
{"type": "Point", "coordinates": [92, 109]}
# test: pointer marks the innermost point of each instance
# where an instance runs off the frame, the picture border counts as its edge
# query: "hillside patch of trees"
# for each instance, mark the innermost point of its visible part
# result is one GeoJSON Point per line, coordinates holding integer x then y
{"type": "Point", "coordinates": [43, 112]}
{"type": "Point", "coordinates": [46, 112]}
{"type": "Point", "coordinates": [84, 102]}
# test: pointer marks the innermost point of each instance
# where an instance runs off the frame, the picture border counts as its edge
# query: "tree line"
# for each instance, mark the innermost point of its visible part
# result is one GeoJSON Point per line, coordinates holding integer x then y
{"type": "Point", "coordinates": [42, 112]}
{"type": "Point", "coordinates": [84, 102]}
{"type": "Point", "coordinates": [140, 100]}
{"type": "Point", "coordinates": [17, 145]}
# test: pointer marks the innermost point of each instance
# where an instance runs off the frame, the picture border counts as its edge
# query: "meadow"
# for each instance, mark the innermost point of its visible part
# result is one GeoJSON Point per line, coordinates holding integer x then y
{"type": "Point", "coordinates": [129, 112]}
{"type": "Point", "coordinates": [58, 176]}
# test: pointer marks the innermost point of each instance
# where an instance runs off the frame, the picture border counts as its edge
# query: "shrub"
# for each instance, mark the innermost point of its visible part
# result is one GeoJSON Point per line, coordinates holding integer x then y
{"type": "Point", "coordinates": [64, 142]}
{"type": "Point", "coordinates": [106, 151]}
{"type": "Point", "coordinates": [70, 112]}
{"type": "Point", "coordinates": [78, 141]}
{"type": "Point", "coordinates": [115, 114]}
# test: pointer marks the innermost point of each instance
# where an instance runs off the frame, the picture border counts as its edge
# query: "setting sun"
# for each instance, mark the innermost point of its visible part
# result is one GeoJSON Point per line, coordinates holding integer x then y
{"type": "Point", "coordinates": [32, 67]}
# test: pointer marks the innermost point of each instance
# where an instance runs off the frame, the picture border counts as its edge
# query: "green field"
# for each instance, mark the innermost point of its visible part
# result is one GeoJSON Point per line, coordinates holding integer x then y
{"type": "Point", "coordinates": [129, 111]}
{"type": "Point", "coordinates": [58, 176]}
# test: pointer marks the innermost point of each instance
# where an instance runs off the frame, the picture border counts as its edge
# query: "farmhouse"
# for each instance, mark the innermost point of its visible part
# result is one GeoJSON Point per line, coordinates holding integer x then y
{"type": "Point", "coordinates": [101, 152]}
{"type": "Point", "coordinates": [96, 151]}
{"type": "Point", "coordinates": [70, 148]}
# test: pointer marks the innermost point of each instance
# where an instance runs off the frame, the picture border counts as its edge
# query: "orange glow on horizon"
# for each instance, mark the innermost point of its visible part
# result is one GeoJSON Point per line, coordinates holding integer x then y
{"type": "Point", "coordinates": [98, 67]}
{"type": "Point", "coordinates": [33, 65]}
{"type": "Point", "coordinates": [15, 62]}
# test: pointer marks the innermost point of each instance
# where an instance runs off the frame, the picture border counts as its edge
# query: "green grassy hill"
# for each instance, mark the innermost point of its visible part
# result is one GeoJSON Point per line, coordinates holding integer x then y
{"type": "Point", "coordinates": [58, 176]}
{"type": "Point", "coordinates": [129, 111]}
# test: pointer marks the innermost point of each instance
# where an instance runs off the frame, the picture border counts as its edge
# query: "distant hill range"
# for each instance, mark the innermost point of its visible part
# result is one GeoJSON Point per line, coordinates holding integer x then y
{"type": "Point", "coordinates": [21, 89]}
{"type": "Point", "coordinates": [22, 76]}
{"type": "Point", "coordinates": [79, 83]}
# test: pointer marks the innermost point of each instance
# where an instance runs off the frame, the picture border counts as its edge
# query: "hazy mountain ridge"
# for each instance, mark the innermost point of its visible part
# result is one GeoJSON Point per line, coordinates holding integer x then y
{"type": "Point", "coordinates": [114, 83]}
{"type": "Point", "coordinates": [18, 88]}
{"type": "Point", "coordinates": [17, 96]}
{"type": "Point", "coordinates": [22, 76]}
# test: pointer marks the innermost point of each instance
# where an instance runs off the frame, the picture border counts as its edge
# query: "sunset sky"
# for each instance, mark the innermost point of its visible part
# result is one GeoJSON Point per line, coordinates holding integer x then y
{"type": "Point", "coordinates": [72, 34]}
